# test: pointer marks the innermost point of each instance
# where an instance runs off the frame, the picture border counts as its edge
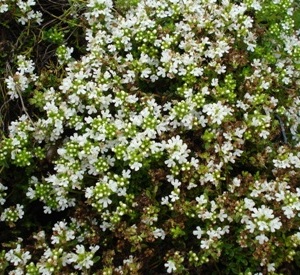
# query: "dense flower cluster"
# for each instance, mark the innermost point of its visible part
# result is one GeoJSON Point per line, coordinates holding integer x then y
{"type": "Point", "coordinates": [23, 9]}
{"type": "Point", "coordinates": [178, 130]}
{"type": "Point", "coordinates": [21, 80]}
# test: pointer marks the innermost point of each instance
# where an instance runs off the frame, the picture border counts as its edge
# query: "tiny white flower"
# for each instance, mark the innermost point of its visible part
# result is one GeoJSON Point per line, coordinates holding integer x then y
{"type": "Point", "coordinates": [262, 238]}
{"type": "Point", "coordinates": [165, 200]}
{"type": "Point", "coordinates": [170, 265]}
{"type": "Point", "coordinates": [275, 224]}
{"type": "Point", "coordinates": [159, 233]}
{"type": "Point", "coordinates": [271, 267]}
{"type": "Point", "coordinates": [198, 232]}
{"type": "Point", "coordinates": [136, 166]}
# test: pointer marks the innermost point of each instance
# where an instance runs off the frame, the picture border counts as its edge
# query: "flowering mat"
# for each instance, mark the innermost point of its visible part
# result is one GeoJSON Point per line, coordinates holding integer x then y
{"type": "Point", "coordinates": [150, 137]}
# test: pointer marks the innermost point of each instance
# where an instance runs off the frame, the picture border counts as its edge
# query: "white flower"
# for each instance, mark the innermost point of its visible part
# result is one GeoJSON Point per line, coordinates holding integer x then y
{"type": "Point", "coordinates": [159, 233]}
{"type": "Point", "coordinates": [105, 201]}
{"type": "Point", "coordinates": [173, 196]}
{"type": "Point", "coordinates": [263, 211]}
{"type": "Point", "coordinates": [165, 200]}
{"type": "Point", "coordinates": [265, 85]}
{"type": "Point", "coordinates": [256, 5]}
{"type": "Point", "coordinates": [288, 211]}
{"type": "Point", "coordinates": [176, 183]}
{"type": "Point", "coordinates": [201, 200]}
{"type": "Point", "coordinates": [170, 265]}
{"type": "Point", "coordinates": [236, 182]}
{"type": "Point", "coordinates": [3, 8]}
{"type": "Point", "coordinates": [214, 82]}
{"type": "Point", "coordinates": [47, 209]}
{"type": "Point", "coordinates": [271, 267]}
{"type": "Point", "coordinates": [145, 73]}
{"type": "Point", "coordinates": [121, 192]}
{"type": "Point", "coordinates": [205, 244]}
{"type": "Point", "coordinates": [264, 134]}
{"type": "Point", "coordinates": [249, 224]}
{"type": "Point", "coordinates": [82, 258]}
{"type": "Point", "coordinates": [197, 71]}
{"type": "Point", "coordinates": [217, 111]}
{"type": "Point", "coordinates": [198, 232]}
{"type": "Point", "coordinates": [12, 213]}
{"type": "Point", "coordinates": [129, 260]}
{"type": "Point", "coordinates": [136, 166]}
{"type": "Point", "coordinates": [18, 256]}
{"type": "Point", "coordinates": [262, 238]}
{"type": "Point", "coordinates": [105, 225]}
{"type": "Point", "coordinates": [275, 224]}
{"type": "Point", "coordinates": [222, 215]}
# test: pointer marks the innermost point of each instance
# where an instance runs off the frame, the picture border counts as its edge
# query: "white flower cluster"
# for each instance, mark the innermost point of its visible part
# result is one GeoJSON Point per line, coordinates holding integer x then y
{"type": "Point", "coordinates": [55, 257]}
{"type": "Point", "coordinates": [18, 257]}
{"type": "Point", "coordinates": [82, 258]}
{"type": "Point", "coordinates": [24, 10]}
{"type": "Point", "coordinates": [19, 82]}
{"type": "Point", "coordinates": [2, 193]}
{"type": "Point", "coordinates": [185, 87]}
{"type": "Point", "coordinates": [64, 54]}
{"type": "Point", "coordinates": [12, 213]}
{"type": "Point", "coordinates": [263, 219]}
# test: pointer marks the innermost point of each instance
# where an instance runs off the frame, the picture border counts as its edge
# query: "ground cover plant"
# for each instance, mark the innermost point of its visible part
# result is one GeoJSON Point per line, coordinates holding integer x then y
{"type": "Point", "coordinates": [150, 137]}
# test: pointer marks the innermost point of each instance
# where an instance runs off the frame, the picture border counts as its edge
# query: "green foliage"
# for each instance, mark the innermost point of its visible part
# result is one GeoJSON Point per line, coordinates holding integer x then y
{"type": "Point", "coordinates": [296, 18]}
{"type": "Point", "coordinates": [123, 6]}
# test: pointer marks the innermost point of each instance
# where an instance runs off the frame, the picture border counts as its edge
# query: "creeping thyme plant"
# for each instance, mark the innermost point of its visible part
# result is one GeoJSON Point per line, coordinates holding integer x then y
{"type": "Point", "coordinates": [157, 136]}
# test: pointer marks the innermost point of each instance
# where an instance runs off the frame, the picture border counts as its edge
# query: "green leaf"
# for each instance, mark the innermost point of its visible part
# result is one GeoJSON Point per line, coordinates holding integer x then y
{"type": "Point", "coordinates": [296, 18]}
